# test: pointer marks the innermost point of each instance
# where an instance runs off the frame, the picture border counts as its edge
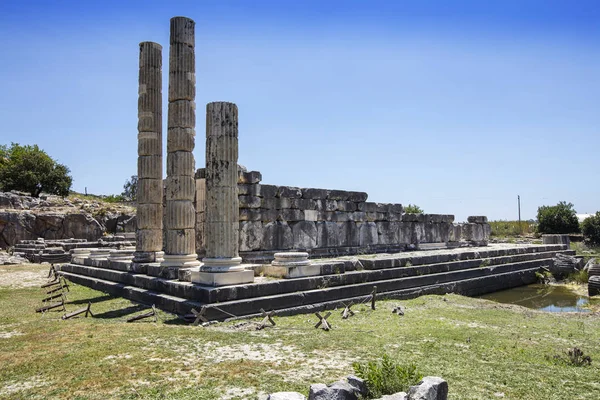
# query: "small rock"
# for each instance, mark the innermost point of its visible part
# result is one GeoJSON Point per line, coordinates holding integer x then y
{"type": "Point", "coordinates": [395, 396]}
{"type": "Point", "coordinates": [430, 388]}
{"type": "Point", "coordinates": [286, 396]}
{"type": "Point", "coordinates": [336, 391]}
{"type": "Point", "coordinates": [358, 384]}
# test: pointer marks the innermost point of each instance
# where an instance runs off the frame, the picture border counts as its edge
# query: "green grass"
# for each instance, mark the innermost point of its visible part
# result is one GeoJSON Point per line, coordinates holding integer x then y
{"type": "Point", "coordinates": [483, 349]}
{"type": "Point", "coordinates": [512, 228]}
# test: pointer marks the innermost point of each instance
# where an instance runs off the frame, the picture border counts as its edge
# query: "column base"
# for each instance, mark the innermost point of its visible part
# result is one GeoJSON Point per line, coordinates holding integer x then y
{"type": "Point", "coordinates": [145, 257]}
{"type": "Point", "coordinates": [222, 264]}
{"type": "Point", "coordinates": [180, 260]}
{"type": "Point", "coordinates": [222, 278]}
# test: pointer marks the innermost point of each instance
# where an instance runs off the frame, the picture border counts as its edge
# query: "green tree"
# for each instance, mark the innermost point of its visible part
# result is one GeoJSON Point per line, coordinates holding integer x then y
{"type": "Point", "coordinates": [560, 218]}
{"type": "Point", "coordinates": [30, 169]}
{"type": "Point", "coordinates": [413, 209]}
{"type": "Point", "coordinates": [130, 188]}
{"type": "Point", "coordinates": [590, 227]}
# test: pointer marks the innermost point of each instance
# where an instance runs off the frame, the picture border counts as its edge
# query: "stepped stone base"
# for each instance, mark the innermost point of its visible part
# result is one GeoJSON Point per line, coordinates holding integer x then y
{"type": "Point", "coordinates": [222, 278]}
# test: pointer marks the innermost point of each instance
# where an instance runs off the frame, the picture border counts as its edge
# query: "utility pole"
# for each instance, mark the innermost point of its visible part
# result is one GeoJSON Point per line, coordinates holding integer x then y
{"type": "Point", "coordinates": [519, 202]}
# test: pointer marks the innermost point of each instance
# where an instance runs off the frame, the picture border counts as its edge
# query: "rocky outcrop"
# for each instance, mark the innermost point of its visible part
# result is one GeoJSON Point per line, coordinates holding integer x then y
{"type": "Point", "coordinates": [52, 218]}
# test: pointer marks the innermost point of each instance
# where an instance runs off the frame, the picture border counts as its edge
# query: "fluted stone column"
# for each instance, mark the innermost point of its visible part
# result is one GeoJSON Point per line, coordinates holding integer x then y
{"type": "Point", "coordinates": [180, 246]}
{"type": "Point", "coordinates": [149, 191]}
{"type": "Point", "coordinates": [221, 209]}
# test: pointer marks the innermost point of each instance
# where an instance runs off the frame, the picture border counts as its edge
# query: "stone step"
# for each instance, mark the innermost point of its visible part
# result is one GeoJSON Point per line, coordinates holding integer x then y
{"type": "Point", "coordinates": [468, 286]}
{"type": "Point", "coordinates": [103, 269]}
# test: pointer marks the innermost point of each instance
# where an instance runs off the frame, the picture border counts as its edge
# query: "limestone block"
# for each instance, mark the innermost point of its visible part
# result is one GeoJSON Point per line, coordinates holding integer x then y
{"type": "Point", "coordinates": [250, 177]}
{"type": "Point", "coordinates": [149, 239]}
{"type": "Point", "coordinates": [406, 233]}
{"type": "Point", "coordinates": [181, 58]}
{"type": "Point", "coordinates": [181, 163]}
{"type": "Point", "coordinates": [303, 204]}
{"type": "Point", "coordinates": [221, 205]}
{"type": "Point", "coordinates": [292, 215]}
{"type": "Point", "coordinates": [222, 278]}
{"type": "Point", "coordinates": [367, 207]}
{"type": "Point", "coordinates": [448, 218]}
{"type": "Point", "coordinates": [433, 218]}
{"type": "Point", "coordinates": [180, 214]}
{"type": "Point", "coordinates": [444, 231]}
{"type": "Point", "coordinates": [182, 31]}
{"type": "Point", "coordinates": [304, 235]}
{"type": "Point", "coordinates": [283, 203]}
{"type": "Point", "coordinates": [150, 78]}
{"type": "Point", "coordinates": [330, 205]}
{"type": "Point", "coordinates": [472, 232]}
{"type": "Point", "coordinates": [420, 234]}
{"type": "Point", "coordinates": [150, 100]}
{"type": "Point", "coordinates": [149, 143]}
{"type": "Point", "coordinates": [387, 232]}
{"type": "Point", "coordinates": [319, 205]}
{"type": "Point", "coordinates": [200, 173]}
{"type": "Point", "coordinates": [396, 208]}
{"type": "Point", "coordinates": [220, 174]}
{"type": "Point", "coordinates": [181, 139]}
{"type": "Point", "coordinates": [149, 216]}
{"type": "Point", "coordinates": [200, 232]}
{"type": "Point", "coordinates": [357, 197]}
{"type": "Point", "coordinates": [149, 121]}
{"type": "Point", "coordinates": [409, 217]}
{"type": "Point", "coordinates": [339, 216]}
{"type": "Point", "coordinates": [328, 234]}
{"type": "Point", "coordinates": [392, 217]}
{"type": "Point", "coordinates": [349, 233]}
{"type": "Point", "coordinates": [477, 219]}
{"type": "Point", "coordinates": [277, 236]}
{"type": "Point", "coordinates": [371, 216]}
{"type": "Point", "coordinates": [249, 202]}
{"type": "Point", "coordinates": [269, 191]}
{"type": "Point", "coordinates": [289, 192]}
{"type": "Point", "coordinates": [182, 114]}
{"type": "Point", "coordinates": [180, 188]}
{"type": "Point", "coordinates": [383, 207]}
{"type": "Point", "coordinates": [150, 191]}
{"type": "Point", "coordinates": [338, 195]}
{"type": "Point", "coordinates": [432, 233]}
{"type": "Point", "coordinates": [249, 189]}
{"type": "Point", "coordinates": [455, 233]}
{"type": "Point", "coordinates": [182, 84]}
{"type": "Point", "coordinates": [487, 231]}
{"type": "Point", "coordinates": [250, 214]}
{"type": "Point", "coordinates": [269, 215]}
{"type": "Point", "coordinates": [311, 215]}
{"type": "Point", "coordinates": [217, 238]}
{"type": "Point", "coordinates": [314, 194]}
{"type": "Point", "coordinates": [251, 234]}
{"type": "Point", "coordinates": [380, 216]}
{"type": "Point", "coordinates": [268, 203]}
{"type": "Point", "coordinates": [343, 205]}
{"type": "Point", "coordinates": [357, 216]}
{"type": "Point", "coordinates": [149, 167]}
{"type": "Point", "coordinates": [223, 147]}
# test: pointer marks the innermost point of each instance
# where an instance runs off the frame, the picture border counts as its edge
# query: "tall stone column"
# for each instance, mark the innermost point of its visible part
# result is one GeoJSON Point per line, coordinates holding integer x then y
{"type": "Point", "coordinates": [150, 189]}
{"type": "Point", "coordinates": [180, 246]}
{"type": "Point", "coordinates": [222, 207]}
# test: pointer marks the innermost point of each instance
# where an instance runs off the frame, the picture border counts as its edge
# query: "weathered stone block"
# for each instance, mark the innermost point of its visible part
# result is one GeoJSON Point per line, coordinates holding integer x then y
{"type": "Point", "coordinates": [338, 195]}
{"type": "Point", "coordinates": [249, 189]}
{"type": "Point", "coordinates": [304, 235]}
{"type": "Point", "coordinates": [181, 59]}
{"type": "Point", "coordinates": [455, 233]}
{"type": "Point", "coordinates": [328, 234]}
{"type": "Point", "coordinates": [384, 207]}
{"type": "Point", "coordinates": [430, 388]}
{"type": "Point", "coordinates": [269, 215]}
{"type": "Point", "coordinates": [367, 207]}
{"type": "Point", "coordinates": [149, 216]}
{"type": "Point", "coordinates": [268, 203]}
{"type": "Point", "coordinates": [348, 206]}
{"type": "Point", "coordinates": [472, 232]}
{"type": "Point", "coordinates": [180, 215]}
{"type": "Point", "coordinates": [303, 204]}
{"type": "Point", "coordinates": [314, 193]}
{"type": "Point", "coordinates": [150, 55]}
{"type": "Point", "coordinates": [387, 232]}
{"type": "Point", "coordinates": [181, 163]}
{"type": "Point", "coordinates": [149, 121]}
{"type": "Point", "coordinates": [349, 233]}
{"type": "Point", "coordinates": [249, 177]}
{"type": "Point", "coordinates": [444, 231]}
{"type": "Point", "coordinates": [448, 218]}
{"type": "Point", "coordinates": [182, 85]}
{"type": "Point", "coordinates": [249, 201]}
{"type": "Point", "coordinates": [277, 236]}
{"type": "Point", "coordinates": [380, 216]}
{"type": "Point", "coordinates": [409, 217]}
{"type": "Point", "coordinates": [339, 216]}
{"type": "Point", "coordinates": [149, 167]}
{"type": "Point", "coordinates": [432, 233]}
{"type": "Point", "coordinates": [150, 190]}
{"type": "Point", "coordinates": [406, 233]}
{"type": "Point", "coordinates": [371, 216]}
{"type": "Point", "coordinates": [330, 205]}
{"type": "Point", "coordinates": [149, 239]}
{"type": "Point", "coordinates": [434, 218]}
{"type": "Point", "coordinates": [357, 216]}
{"type": "Point", "coordinates": [251, 234]}
{"type": "Point", "coordinates": [180, 187]}
{"type": "Point", "coordinates": [149, 143]}
{"type": "Point", "coordinates": [368, 234]}
{"type": "Point", "coordinates": [268, 191]}
{"type": "Point", "coordinates": [292, 215]}
{"type": "Point", "coordinates": [357, 196]}
{"type": "Point", "coordinates": [289, 192]}
{"type": "Point", "coordinates": [182, 114]}
{"type": "Point", "coordinates": [396, 208]}
{"type": "Point", "coordinates": [283, 203]}
{"type": "Point", "coordinates": [250, 214]}
{"type": "Point", "coordinates": [180, 241]}
{"type": "Point", "coordinates": [311, 215]}
{"type": "Point", "coordinates": [477, 219]}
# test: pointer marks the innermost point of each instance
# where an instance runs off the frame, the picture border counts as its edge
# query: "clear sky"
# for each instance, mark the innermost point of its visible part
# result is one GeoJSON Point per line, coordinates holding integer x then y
{"type": "Point", "coordinates": [457, 106]}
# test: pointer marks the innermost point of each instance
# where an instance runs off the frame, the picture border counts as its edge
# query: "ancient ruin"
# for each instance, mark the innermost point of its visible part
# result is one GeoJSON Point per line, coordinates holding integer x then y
{"type": "Point", "coordinates": [318, 247]}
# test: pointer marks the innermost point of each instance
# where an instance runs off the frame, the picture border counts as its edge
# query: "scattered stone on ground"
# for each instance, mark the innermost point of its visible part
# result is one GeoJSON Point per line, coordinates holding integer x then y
{"type": "Point", "coordinates": [8, 259]}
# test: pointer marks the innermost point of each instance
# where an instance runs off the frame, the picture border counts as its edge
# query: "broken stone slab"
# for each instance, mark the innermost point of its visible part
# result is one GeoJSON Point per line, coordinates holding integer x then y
{"type": "Point", "coordinates": [477, 219]}
{"type": "Point", "coordinates": [289, 192]}
{"type": "Point", "coordinates": [336, 391]}
{"type": "Point", "coordinates": [249, 177]}
{"type": "Point", "coordinates": [291, 265]}
{"type": "Point", "coordinates": [430, 388]}
{"type": "Point", "coordinates": [268, 191]}
{"type": "Point", "coordinates": [304, 235]}
{"type": "Point", "coordinates": [594, 286]}
{"type": "Point", "coordinates": [310, 193]}
{"type": "Point", "coordinates": [217, 279]}
{"type": "Point", "coordinates": [286, 396]}
{"type": "Point", "coordinates": [556, 239]}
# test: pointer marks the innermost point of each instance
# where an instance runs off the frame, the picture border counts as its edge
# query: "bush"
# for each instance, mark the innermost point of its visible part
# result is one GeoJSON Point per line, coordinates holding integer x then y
{"type": "Point", "coordinates": [580, 277]}
{"type": "Point", "coordinates": [590, 227]}
{"type": "Point", "coordinates": [413, 209]}
{"type": "Point", "coordinates": [386, 377]}
{"type": "Point", "coordinates": [512, 228]}
{"type": "Point", "coordinates": [558, 219]}
{"type": "Point", "coordinates": [29, 169]}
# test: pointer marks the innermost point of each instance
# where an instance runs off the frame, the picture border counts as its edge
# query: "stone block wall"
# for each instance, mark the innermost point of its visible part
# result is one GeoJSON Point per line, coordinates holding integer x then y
{"type": "Point", "coordinates": [284, 218]}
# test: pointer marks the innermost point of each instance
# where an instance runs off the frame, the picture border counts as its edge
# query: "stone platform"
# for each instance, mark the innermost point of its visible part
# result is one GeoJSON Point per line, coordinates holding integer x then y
{"type": "Point", "coordinates": [470, 271]}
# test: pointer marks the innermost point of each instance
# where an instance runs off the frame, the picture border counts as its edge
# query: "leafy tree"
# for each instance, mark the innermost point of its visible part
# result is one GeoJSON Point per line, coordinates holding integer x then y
{"type": "Point", "coordinates": [30, 169]}
{"type": "Point", "coordinates": [413, 209]}
{"type": "Point", "coordinates": [560, 218]}
{"type": "Point", "coordinates": [590, 227]}
{"type": "Point", "coordinates": [130, 188]}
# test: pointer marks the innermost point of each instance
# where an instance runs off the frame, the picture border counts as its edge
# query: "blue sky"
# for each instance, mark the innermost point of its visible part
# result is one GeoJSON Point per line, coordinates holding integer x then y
{"type": "Point", "coordinates": [457, 106]}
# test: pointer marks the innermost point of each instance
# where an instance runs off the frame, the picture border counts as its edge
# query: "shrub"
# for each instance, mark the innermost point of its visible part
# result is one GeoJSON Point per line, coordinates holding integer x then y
{"type": "Point", "coordinates": [579, 277]}
{"type": "Point", "coordinates": [590, 227]}
{"type": "Point", "coordinates": [560, 219]}
{"type": "Point", "coordinates": [386, 377]}
{"type": "Point", "coordinates": [413, 209]}
{"type": "Point", "coordinates": [511, 228]}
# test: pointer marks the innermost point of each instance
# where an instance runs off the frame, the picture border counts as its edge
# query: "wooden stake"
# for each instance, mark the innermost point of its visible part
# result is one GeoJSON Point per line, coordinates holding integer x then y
{"type": "Point", "coordinates": [323, 321]}
{"type": "Point", "coordinates": [373, 297]}
{"type": "Point", "coordinates": [347, 311]}
{"type": "Point", "coordinates": [267, 318]}
{"type": "Point", "coordinates": [48, 307]}
{"type": "Point", "coordinates": [56, 296]}
{"type": "Point", "coordinates": [85, 310]}
{"type": "Point", "coordinates": [145, 315]}
{"type": "Point", "coordinates": [199, 316]}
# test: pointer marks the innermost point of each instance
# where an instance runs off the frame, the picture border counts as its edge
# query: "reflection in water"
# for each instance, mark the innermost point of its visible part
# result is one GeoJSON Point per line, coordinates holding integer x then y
{"type": "Point", "coordinates": [542, 297]}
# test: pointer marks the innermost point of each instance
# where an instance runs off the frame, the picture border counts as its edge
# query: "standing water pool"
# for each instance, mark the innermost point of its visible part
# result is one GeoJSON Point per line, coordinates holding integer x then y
{"type": "Point", "coordinates": [552, 298]}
